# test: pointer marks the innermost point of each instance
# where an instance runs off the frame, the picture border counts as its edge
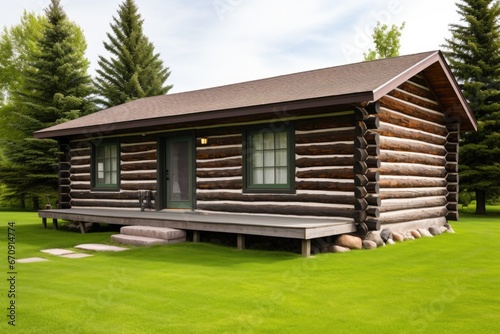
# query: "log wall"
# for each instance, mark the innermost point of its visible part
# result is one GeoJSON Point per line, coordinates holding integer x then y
{"type": "Point", "coordinates": [137, 174]}
{"type": "Point", "coordinates": [413, 155]}
{"type": "Point", "coordinates": [324, 183]}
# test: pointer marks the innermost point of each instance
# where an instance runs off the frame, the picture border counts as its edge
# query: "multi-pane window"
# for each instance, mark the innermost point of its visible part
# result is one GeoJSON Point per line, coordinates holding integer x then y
{"type": "Point", "coordinates": [268, 163]}
{"type": "Point", "coordinates": [106, 165]}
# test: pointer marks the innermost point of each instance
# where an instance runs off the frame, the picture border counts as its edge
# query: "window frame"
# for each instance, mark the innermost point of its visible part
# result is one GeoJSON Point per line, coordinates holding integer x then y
{"type": "Point", "coordinates": [96, 186]}
{"type": "Point", "coordinates": [248, 186]}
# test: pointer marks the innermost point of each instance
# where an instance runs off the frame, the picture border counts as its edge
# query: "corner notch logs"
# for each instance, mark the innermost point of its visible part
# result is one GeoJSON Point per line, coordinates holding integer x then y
{"type": "Point", "coordinates": [452, 147]}
{"type": "Point", "coordinates": [366, 164]}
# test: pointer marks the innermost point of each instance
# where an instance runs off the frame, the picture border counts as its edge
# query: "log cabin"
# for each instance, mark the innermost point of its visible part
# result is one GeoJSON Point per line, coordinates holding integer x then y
{"type": "Point", "coordinates": [337, 150]}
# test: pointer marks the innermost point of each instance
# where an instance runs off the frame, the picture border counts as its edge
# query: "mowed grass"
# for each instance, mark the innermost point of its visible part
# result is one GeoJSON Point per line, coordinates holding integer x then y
{"type": "Point", "coordinates": [446, 284]}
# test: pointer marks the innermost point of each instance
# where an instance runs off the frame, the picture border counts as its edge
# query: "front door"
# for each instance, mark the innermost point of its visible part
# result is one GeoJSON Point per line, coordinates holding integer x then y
{"type": "Point", "coordinates": [179, 172]}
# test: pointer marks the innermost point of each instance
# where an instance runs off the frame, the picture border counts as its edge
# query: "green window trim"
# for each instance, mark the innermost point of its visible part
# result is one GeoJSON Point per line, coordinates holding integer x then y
{"type": "Point", "coordinates": [269, 160]}
{"type": "Point", "coordinates": [105, 167]}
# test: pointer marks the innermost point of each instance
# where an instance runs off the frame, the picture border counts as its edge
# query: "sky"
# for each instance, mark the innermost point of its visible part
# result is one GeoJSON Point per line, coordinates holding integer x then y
{"type": "Point", "coordinates": [207, 43]}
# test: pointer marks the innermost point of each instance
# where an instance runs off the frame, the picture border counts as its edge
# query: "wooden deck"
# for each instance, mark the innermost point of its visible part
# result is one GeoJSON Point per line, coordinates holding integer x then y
{"type": "Point", "coordinates": [303, 228]}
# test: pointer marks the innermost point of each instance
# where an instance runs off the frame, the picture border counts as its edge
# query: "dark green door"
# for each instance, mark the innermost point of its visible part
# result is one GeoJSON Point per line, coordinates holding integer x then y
{"type": "Point", "coordinates": [179, 172]}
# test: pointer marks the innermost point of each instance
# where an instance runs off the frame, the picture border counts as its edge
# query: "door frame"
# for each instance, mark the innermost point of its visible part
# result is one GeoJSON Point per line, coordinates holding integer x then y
{"type": "Point", "coordinates": [162, 165]}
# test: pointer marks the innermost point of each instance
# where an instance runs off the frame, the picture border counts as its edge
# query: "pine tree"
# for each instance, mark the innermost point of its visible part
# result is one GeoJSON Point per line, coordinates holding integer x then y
{"type": "Point", "coordinates": [473, 52]}
{"type": "Point", "coordinates": [54, 88]}
{"type": "Point", "coordinates": [134, 70]}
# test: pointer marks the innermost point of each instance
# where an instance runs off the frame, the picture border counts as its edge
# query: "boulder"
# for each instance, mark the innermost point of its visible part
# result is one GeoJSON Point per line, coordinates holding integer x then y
{"type": "Point", "coordinates": [397, 237]}
{"type": "Point", "coordinates": [390, 241]}
{"type": "Point", "coordinates": [368, 244]}
{"type": "Point", "coordinates": [375, 236]}
{"type": "Point", "coordinates": [449, 229]}
{"type": "Point", "coordinates": [340, 249]}
{"type": "Point", "coordinates": [349, 241]}
{"type": "Point", "coordinates": [434, 230]}
{"type": "Point", "coordinates": [443, 229]}
{"type": "Point", "coordinates": [409, 236]}
{"type": "Point", "coordinates": [385, 234]}
{"type": "Point", "coordinates": [425, 233]}
{"type": "Point", "coordinates": [415, 234]}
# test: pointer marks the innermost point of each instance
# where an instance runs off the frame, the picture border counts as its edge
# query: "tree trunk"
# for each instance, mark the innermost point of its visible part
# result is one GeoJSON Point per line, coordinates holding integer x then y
{"type": "Point", "coordinates": [480, 202]}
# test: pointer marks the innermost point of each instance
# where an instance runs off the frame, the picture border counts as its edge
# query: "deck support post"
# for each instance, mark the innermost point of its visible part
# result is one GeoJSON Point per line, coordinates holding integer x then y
{"type": "Point", "coordinates": [82, 227]}
{"type": "Point", "coordinates": [44, 223]}
{"type": "Point", "coordinates": [54, 223]}
{"type": "Point", "coordinates": [240, 241]}
{"type": "Point", "coordinates": [306, 247]}
{"type": "Point", "coordinates": [196, 236]}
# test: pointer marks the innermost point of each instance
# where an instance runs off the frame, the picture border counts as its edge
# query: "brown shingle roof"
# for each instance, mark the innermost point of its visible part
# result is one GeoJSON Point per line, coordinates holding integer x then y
{"type": "Point", "coordinates": [353, 83]}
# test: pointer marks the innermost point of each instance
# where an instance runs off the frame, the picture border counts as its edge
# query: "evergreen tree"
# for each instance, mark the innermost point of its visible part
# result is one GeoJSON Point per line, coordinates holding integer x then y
{"type": "Point", "coordinates": [473, 52]}
{"type": "Point", "coordinates": [54, 88]}
{"type": "Point", "coordinates": [387, 42]}
{"type": "Point", "coordinates": [134, 70]}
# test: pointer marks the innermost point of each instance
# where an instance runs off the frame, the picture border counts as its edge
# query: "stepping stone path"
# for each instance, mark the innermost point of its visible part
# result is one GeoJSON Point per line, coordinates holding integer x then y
{"type": "Point", "coordinates": [148, 235]}
{"type": "Point", "coordinates": [69, 254]}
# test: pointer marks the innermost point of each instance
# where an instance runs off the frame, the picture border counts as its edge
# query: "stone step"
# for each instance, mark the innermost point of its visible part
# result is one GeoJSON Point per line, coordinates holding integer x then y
{"type": "Point", "coordinates": [154, 232]}
{"type": "Point", "coordinates": [137, 240]}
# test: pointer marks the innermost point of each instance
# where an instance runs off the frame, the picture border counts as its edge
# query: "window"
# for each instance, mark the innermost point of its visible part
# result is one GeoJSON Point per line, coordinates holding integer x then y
{"type": "Point", "coordinates": [269, 161]}
{"type": "Point", "coordinates": [106, 166]}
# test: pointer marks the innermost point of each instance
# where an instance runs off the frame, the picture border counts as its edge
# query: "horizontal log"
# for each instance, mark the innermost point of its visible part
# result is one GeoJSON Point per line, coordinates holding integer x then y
{"type": "Point", "coordinates": [452, 177]}
{"type": "Point", "coordinates": [372, 122]}
{"type": "Point", "coordinates": [396, 144]}
{"type": "Point", "coordinates": [64, 182]}
{"type": "Point", "coordinates": [324, 161]}
{"type": "Point", "coordinates": [373, 199]}
{"type": "Point", "coordinates": [322, 137]}
{"type": "Point", "coordinates": [360, 142]}
{"type": "Point", "coordinates": [373, 162]}
{"type": "Point", "coordinates": [411, 182]}
{"type": "Point", "coordinates": [373, 150]}
{"type": "Point", "coordinates": [373, 224]}
{"type": "Point", "coordinates": [137, 148]}
{"type": "Point", "coordinates": [452, 167]}
{"type": "Point", "coordinates": [140, 165]}
{"type": "Point", "coordinates": [139, 156]}
{"type": "Point", "coordinates": [453, 137]}
{"type": "Point", "coordinates": [452, 147]}
{"type": "Point", "coordinates": [143, 138]}
{"type": "Point", "coordinates": [360, 167]}
{"type": "Point", "coordinates": [360, 154]}
{"type": "Point", "coordinates": [373, 188]}
{"type": "Point", "coordinates": [373, 174]}
{"type": "Point", "coordinates": [100, 195]}
{"type": "Point", "coordinates": [80, 170]}
{"type": "Point", "coordinates": [80, 185]}
{"type": "Point", "coordinates": [64, 174]}
{"type": "Point", "coordinates": [360, 114]}
{"type": "Point", "coordinates": [373, 108]}
{"type": "Point", "coordinates": [412, 215]}
{"type": "Point", "coordinates": [105, 204]}
{"type": "Point", "coordinates": [84, 152]}
{"type": "Point", "coordinates": [330, 122]}
{"type": "Point", "coordinates": [409, 157]}
{"type": "Point", "coordinates": [453, 215]}
{"type": "Point", "coordinates": [218, 153]}
{"type": "Point", "coordinates": [292, 209]}
{"type": "Point", "coordinates": [139, 176]}
{"type": "Point", "coordinates": [80, 177]}
{"type": "Point", "coordinates": [218, 173]}
{"type": "Point", "coordinates": [414, 203]}
{"type": "Point", "coordinates": [332, 173]}
{"type": "Point", "coordinates": [360, 192]}
{"type": "Point", "coordinates": [452, 197]}
{"type": "Point", "coordinates": [360, 129]}
{"type": "Point", "coordinates": [452, 206]}
{"type": "Point", "coordinates": [409, 87]}
{"type": "Point", "coordinates": [373, 211]}
{"type": "Point", "coordinates": [412, 193]}
{"type": "Point", "coordinates": [318, 185]}
{"type": "Point", "coordinates": [360, 180]}
{"type": "Point", "coordinates": [333, 148]}
{"type": "Point", "coordinates": [417, 100]}
{"type": "Point", "coordinates": [65, 189]}
{"type": "Point", "coordinates": [372, 138]}
{"type": "Point", "coordinates": [85, 160]}
{"type": "Point", "coordinates": [360, 216]}
{"type": "Point", "coordinates": [220, 184]}
{"type": "Point", "coordinates": [63, 165]}
{"type": "Point", "coordinates": [138, 186]}
{"type": "Point", "coordinates": [452, 157]}
{"type": "Point", "coordinates": [360, 204]}
{"type": "Point", "coordinates": [453, 127]}
{"type": "Point", "coordinates": [405, 169]}
{"type": "Point", "coordinates": [233, 162]}
{"type": "Point", "coordinates": [391, 130]}
{"type": "Point", "coordinates": [405, 121]}
{"type": "Point", "coordinates": [453, 187]}
{"type": "Point", "coordinates": [413, 110]}
{"type": "Point", "coordinates": [347, 199]}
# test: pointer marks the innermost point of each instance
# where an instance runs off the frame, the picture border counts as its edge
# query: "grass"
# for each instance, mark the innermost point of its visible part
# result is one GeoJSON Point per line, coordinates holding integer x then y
{"type": "Point", "coordinates": [447, 284]}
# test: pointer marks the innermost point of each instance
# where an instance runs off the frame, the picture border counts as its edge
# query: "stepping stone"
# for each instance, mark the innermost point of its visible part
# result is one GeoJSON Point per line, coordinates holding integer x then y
{"type": "Point", "coordinates": [31, 259]}
{"type": "Point", "coordinates": [100, 248]}
{"type": "Point", "coordinates": [57, 251]}
{"type": "Point", "coordinates": [137, 240]}
{"type": "Point", "coordinates": [76, 255]}
{"type": "Point", "coordinates": [154, 232]}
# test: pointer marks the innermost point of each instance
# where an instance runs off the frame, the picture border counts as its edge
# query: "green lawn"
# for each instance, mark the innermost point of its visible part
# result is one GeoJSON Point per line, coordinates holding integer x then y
{"type": "Point", "coordinates": [447, 284]}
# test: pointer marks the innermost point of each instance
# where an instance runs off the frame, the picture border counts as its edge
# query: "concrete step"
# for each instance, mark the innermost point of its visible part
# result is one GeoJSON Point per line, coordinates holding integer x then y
{"type": "Point", "coordinates": [137, 240]}
{"type": "Point", "coordinates": [154, 232]}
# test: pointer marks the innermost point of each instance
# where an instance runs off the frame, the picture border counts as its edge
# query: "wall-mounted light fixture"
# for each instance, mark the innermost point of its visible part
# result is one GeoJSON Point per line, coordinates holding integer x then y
{"type": "Point", "coordinates": [204, 140]}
